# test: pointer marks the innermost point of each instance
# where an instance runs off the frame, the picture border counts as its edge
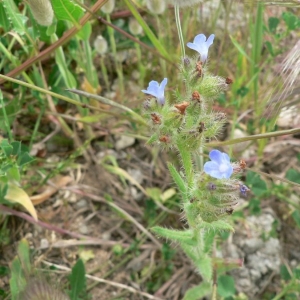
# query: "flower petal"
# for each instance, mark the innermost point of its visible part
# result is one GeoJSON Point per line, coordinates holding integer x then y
{"type": "Point", "coordinates": [193, 46]}
{"type": "Point", "coordinates": [216, 155]}
{"type": "Point", "coordinates": [210, 40]}
{"type": "Point", "coordinates": [163, 84]}
{"type": "Point", "coordinates": [200, 39]}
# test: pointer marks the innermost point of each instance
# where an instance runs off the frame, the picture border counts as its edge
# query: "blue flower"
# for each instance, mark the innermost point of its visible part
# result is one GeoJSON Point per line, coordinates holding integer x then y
{"type": "Point", "coordinates": [157, 90]}
{"type": "Point", "coordinates": [219, 167]}
{"type": "Point", "coordinates": [201, 45]}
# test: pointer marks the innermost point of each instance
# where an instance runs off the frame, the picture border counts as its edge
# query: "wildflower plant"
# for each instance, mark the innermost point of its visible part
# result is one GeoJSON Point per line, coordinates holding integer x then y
{"type": "Point", "coordinates": [185, 123]}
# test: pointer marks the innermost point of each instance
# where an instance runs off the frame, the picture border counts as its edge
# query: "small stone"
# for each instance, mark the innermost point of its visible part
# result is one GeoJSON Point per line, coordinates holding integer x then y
{"type": "Point", "coordinates": [252, 245]}
{"type": "Point", "coordinates": [44, 244]}
{"type": "Point", "coordinates": [106, 236]}
{"type": "Point", "coordinates": [83, 229]}
{"type": "Point", "coordinates": [124, 142]}
{"type": "Point", "coordinates": [82, 203]}
{"type": "Point", "coordinates": [136, 174]}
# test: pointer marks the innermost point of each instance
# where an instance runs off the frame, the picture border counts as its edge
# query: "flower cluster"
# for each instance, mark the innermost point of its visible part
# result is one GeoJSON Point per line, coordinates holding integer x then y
{"type": "Point", "coordinates": [189, 119]}
{"type": "Point", "coordinates": [187, 122]}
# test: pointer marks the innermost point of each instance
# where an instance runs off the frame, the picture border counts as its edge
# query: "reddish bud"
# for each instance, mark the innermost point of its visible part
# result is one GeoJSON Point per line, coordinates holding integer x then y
{"type": "Point", "coordinates": [196, 96]}
{"type": "Point", "coordinates": [164, 139]}
{"type": "Point", "coordinates": [243, 164]}
{"type": "Point", "coordinates": [155, 118]}
{"type": "Point", "coordinates": [182, 107]}
{"type": "Point", "coordinates": [199, 68]}
{"type": "Point", "coordinates": [228, 80]}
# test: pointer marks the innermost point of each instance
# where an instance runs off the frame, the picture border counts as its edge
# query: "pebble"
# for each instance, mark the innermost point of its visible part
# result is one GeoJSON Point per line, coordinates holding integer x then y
{"type": "Point", "coordinates": [124, 142]}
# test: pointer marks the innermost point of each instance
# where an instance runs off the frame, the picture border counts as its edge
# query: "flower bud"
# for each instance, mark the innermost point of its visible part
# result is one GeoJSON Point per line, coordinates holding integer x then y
{"type": "Point", "coordinates": [108, 7]}
{"type": "Point", "coordinates": [156, 6]}
{"type": "Point", "coordinates": [42, 11]}
{"type": "Point", "coordinates": [186, 61]}
{"type": "Point", "coordinates": [134, 27]}
{"type": "Point", "coordinates": [100, 44]}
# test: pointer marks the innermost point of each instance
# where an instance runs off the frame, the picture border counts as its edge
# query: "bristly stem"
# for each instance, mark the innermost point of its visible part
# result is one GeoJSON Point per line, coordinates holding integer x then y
{"type": "Point", "coordinates": [178, 25]}
{"type": "Point", "coordinates": [5, 118]}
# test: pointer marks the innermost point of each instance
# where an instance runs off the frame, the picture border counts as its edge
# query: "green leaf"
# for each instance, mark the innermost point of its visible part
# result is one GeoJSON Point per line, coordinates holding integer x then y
{"type": "Point", "coordinates": [67, 10]}
{"type": "Point", "coordinates": [17, 20]}
{"type": "Point", "coordinates": [182, 236]}
{"type": "Point", "coordinates": [17, 280]}
{"type": "Point", "coordinates": [24, 255]}
{"type": "Point", "coordinates": [198, 292]}
{"type": "Point", "coordinates": [209, 237]}
{"type": "Point", "coordinates": [85, 32]}
{"type": "Point", "coordinates": [254, 206]}
{"type": "Point", "coordinates": [296, 272]}
{"type": "Point", "coordinates": [284, 273]}
{"type": "Point", "coordinates": [270, 48]}
{"type": "Point", "coordinates": [3, 189]}
{"type": "Point", "coordinates": [16, 147]}
{"type": "Point", "coordinates": [296, 217]}
{"type": "Point", "coordinates": [257, 185]}
{"type": "Point", "coordinates": [51, 29]}
{"type": "Point", "coordinates": [187, 163]}
{"type": "Point", "coordinates": [77, 280]}
{"type": "Point", "coordinates": [178, 179]}
{"type": "Point", "coordinates": [152, 139]}
{"type": "Point", "coordinates": [204, 266]}
{"type": "Point", "coordinates": [240, 49]}
{"type": "Point", "coordinates": [24, 159]}
{"type": "Point", "coordinates": [6, 147]}
{"type": "Point", "coordinates": [293, 175]}
{"type": "Point", "coordinates": [226, 286]}
{"type": "Point", "coordinates": [291, 20]}
{"type": "Point", "coordinates": [273, 23]}
{"type": "Point", "coordinates": [4, 23]}
{"type": "Point", "coordinates": [219, 225]}
{"type": "Point", "coordinates": [13, 173]}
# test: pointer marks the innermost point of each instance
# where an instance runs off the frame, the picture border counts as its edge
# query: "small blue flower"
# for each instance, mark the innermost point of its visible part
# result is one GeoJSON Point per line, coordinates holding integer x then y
{"type": "Point", "coordinates": [157, 90]}
{"type": "Point", "coordinates": [201, 45]}
{"type": "Point", "coordinates": [219, 167]}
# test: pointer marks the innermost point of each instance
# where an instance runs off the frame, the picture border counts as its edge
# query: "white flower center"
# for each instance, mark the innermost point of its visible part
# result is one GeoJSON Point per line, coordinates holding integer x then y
{"type": "Point", "coordinates": [223, 168]}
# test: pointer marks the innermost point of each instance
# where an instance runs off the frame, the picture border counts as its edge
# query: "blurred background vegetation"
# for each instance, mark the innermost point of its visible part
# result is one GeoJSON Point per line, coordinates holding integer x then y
{"type": "Point", "coordinates": [74, 154]}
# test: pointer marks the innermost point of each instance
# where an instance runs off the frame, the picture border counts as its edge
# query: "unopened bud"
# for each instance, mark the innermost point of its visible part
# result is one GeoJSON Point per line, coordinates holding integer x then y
{"type": "Point", "coordinates": [199, 68]}
{"type": "Point", "coordinates": [134, 27]}
{"type": "Point", "coordinates": [182, 107]}
{"type": "Point", "coordinates": [42, 11]}
{"type": "Point", "coordinates": [186, 61]}
{"type": "Point", "coordinates": [228, 80]}
{"type": "Point", "coordinates": [100, 44]}
{"type": "Point", "coordinates": [196, 96]}
{"type": "Point", "coordinates": [108, 7]}
{"type": "Point", "coordinates": [165, 139]}
{"type": "Point", "coordinates": [156, 118]}
{"type": "Point", "coordinates": [211, 186]}
{"type": "Point", "coordinates": [156, 6]}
